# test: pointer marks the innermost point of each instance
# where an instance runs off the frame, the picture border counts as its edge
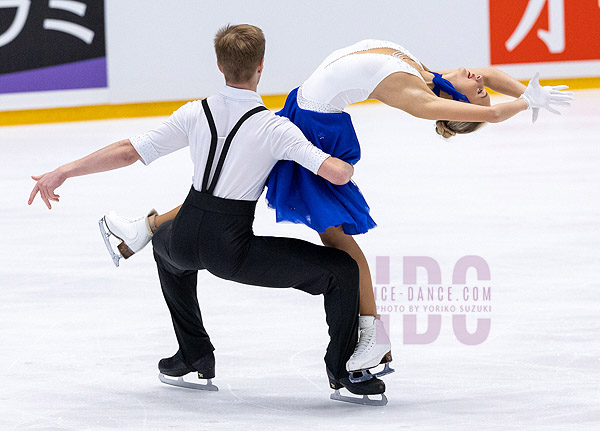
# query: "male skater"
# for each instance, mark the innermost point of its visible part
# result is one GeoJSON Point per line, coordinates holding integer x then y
{"type": "Point", "coordinates": [234, 143]}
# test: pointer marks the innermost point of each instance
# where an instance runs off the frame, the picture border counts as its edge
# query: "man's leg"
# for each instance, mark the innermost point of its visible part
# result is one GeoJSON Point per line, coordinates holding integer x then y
{"type": "Point", "coordinates": [179, 290]}
{"type": "Point", "coordinates": [286, 262]}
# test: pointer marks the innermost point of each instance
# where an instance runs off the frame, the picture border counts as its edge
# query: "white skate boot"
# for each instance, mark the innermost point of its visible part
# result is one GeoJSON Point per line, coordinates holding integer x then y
{"type": "Point", "coordinates": [134, 234]}
{"type": "Point", "coordinates": [372, 349]}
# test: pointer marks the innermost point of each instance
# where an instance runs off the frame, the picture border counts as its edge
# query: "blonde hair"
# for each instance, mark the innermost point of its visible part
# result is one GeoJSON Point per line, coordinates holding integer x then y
{"type": "Point", "coordinates": [240, 49]}
{"type": "Point", "coordinates": [447, 129]}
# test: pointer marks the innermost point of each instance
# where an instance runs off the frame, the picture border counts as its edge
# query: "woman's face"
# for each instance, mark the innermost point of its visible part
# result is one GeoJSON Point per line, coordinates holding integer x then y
{"type": "Point", "coordinates": [470, 85]}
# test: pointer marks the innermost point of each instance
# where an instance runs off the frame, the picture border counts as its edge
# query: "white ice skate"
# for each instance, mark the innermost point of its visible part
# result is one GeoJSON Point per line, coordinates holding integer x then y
{"type": "Point", "coordinates": [372, 349]}
{"type": "Point", "coordinates": [134, 234]}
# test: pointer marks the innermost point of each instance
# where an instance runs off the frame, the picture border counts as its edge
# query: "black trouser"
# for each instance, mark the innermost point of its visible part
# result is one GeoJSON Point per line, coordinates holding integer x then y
{"type": "Point", "coordinates": [216, 234]}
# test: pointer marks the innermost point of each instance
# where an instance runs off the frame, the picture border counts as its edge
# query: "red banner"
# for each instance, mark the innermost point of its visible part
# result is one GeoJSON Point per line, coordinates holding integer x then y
{"type": "Point", "coordinates": [536, 31]}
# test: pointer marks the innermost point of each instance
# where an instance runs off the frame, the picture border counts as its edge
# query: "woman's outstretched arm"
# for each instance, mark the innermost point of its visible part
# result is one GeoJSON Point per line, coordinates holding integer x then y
{"type": "Point", "coordinates": [436, 108]}
{"type": "Point", "coordinates": [411, 95]}
{"type": "Point", "coordinates": [500, 81]}
{"type": "Point", "coordinates": [408, 93]}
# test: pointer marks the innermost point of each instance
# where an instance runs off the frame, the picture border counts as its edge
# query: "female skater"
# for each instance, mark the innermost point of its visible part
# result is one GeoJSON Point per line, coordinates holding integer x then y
{"type": "Point", "coordinates": [371, 69]}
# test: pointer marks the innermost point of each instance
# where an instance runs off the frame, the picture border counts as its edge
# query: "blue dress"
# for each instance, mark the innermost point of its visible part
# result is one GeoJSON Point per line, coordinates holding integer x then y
{"type": "Point", "coordinates": [299, 196]}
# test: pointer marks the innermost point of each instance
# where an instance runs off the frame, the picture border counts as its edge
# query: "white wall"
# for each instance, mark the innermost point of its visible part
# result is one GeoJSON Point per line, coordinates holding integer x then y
{"type": "Point", "coordinates": [162, 50]}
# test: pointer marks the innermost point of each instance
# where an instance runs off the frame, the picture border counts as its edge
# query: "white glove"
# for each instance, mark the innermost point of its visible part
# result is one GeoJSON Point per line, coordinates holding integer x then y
{"type": "Point", "coordinates": [538, 97]}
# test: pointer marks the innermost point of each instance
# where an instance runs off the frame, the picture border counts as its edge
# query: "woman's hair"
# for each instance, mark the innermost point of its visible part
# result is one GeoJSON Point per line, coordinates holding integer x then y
{"type": "Point", "coordinates": [447, 129]}
{"type": "Point", "coordinates": [240, 50]}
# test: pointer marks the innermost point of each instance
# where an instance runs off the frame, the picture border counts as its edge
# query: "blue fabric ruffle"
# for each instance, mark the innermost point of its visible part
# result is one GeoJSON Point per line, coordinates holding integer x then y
{"type": "Point", "coordinates": [299, 196]}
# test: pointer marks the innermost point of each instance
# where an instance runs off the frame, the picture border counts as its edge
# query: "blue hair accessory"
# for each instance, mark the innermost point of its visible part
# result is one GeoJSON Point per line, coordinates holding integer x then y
{"type": "Point", "coordinates": [441, 84]}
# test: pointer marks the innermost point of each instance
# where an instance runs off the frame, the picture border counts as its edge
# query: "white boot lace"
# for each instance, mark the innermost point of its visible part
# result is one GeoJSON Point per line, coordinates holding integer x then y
{"type": "Point", "coordinates": [365, 341]}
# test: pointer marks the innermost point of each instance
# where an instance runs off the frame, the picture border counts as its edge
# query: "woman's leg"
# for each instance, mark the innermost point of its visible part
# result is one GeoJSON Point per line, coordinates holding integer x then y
{"type": "Point", "coordinates": [135, 234]}
{"type": "Point", "coordinates": [336, 238]}
{"type": "Point", "coordinates": [161, 218]}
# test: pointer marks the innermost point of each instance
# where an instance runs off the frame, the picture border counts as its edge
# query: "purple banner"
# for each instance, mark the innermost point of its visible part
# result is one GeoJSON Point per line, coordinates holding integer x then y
{"type": "Point", "coordinates": [81, 74]}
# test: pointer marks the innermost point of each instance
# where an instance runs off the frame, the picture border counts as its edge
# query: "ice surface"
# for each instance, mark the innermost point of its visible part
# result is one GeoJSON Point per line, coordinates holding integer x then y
{"type": "Point", "coordinates": [80, 339]}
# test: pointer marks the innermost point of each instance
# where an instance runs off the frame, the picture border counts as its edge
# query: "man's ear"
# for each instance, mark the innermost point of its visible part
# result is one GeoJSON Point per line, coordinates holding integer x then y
{"type": "Point", "coordinates": [219, 66]}
{"type": "Point", "coordinates": [261, 65]}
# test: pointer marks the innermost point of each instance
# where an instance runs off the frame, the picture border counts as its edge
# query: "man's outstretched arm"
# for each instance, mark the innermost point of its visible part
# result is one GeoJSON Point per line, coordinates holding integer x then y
{"type": "Point", "coordinates": [114, 156]}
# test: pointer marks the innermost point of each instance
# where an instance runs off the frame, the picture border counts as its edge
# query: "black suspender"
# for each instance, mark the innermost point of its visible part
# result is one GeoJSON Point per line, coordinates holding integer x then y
{"type": "Point", "coordinates": [213, 145]}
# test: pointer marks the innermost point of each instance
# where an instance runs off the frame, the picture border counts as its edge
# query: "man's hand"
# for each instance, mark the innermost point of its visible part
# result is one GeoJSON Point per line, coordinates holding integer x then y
{"type": "Point", "coordinates": [45, 185]}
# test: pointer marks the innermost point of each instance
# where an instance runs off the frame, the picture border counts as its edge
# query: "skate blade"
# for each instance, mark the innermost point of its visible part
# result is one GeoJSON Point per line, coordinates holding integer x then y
{"type": "Point", "coordinates": [364, 400]}
{"type": "Point", "coordinates": [364, 376]}
{"type": "Point", "coordinates": [367, 375]}
{"type": "Point", "coordinates": [178, 381]}
{"type": "Point", "coordinates": [386, 370]}
{"type": "Point", "coordinates": [105, 235]}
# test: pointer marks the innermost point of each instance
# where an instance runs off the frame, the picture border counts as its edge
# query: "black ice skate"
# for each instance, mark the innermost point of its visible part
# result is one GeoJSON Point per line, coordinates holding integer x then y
{"type": "Point", "coordinates": [175, 367]}
{"type": "Point", "coordinates": [373, 386]}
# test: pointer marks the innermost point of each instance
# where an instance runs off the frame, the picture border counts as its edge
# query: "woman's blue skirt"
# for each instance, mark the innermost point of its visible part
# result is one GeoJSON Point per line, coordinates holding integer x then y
{"type": "Point", "coordinates": [299, 196]}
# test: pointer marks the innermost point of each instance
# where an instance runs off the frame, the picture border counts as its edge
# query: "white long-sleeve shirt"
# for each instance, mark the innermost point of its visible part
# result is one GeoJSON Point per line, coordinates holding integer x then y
{"type": "Point", "coordinates": [263, 139]}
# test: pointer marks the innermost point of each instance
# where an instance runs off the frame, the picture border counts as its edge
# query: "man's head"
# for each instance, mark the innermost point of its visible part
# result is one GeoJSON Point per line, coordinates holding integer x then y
{"type": "Point", "coordinates": [240, 51]}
